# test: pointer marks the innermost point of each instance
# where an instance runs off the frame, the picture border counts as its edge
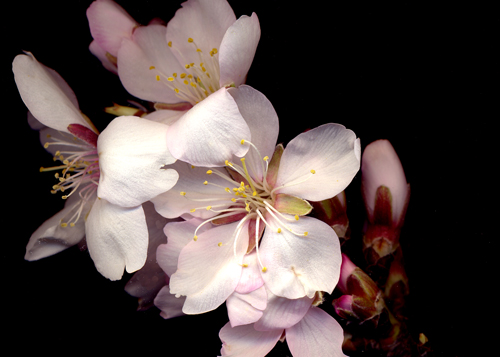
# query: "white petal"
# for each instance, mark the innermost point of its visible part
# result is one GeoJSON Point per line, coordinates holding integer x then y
{"type": "Point", "coordinates": [251, 278]}
{"type": "Point", "coordinates": [51, 238]}
{"type": "Point", "coordinates": [132, 156]}
{"type": "Point", "coordinates": [299, 266]}
{"type": "Point", "coordinates": [331, 150]}
{"type": "Point", "coordinates": [244, 309]}
{"type": "Point", "coordinates": [245, 341]}
{"type": "Point", "coordinates": [262, 120]}
{"type": "Point", "coordinates": [317, 334]}
{"type": "Point", "coordinates": [208, 269]}
{"type": "Point", "coordinates": [282, 313]}
{"type": "Point", "coordinates": [97, 51]}
{"type": "Point", "coordinates": [205, 22]}
{"type": "Point", "coordinates": [47, 96]}
{"type": "Point", "coordinates": [167, 117]}
{"type": "Point", "coordinates": [237, 50]}
{"type": "Point", "coordinates": [209, 133]}
{"type": "Point", "coordinates": [117, 238]}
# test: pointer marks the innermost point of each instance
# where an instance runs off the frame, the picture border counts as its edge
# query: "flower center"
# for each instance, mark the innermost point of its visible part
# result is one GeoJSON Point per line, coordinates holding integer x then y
{"type": "Point", "coordinates": [79, 172]}
{"type": "Point", "coordinates": [252, 197]}
{"type": "Point", "coordinates": [199, 79]}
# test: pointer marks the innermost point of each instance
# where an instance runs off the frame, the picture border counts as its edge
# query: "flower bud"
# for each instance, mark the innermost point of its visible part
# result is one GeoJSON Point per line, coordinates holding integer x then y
{"type": "Point", "coordinates": [384, 187]}
{"type": "Point", "coordinates": [333, 212]}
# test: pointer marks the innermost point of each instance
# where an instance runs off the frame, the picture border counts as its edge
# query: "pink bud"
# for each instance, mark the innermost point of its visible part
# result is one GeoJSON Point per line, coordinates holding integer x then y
{"type": "Point", "coordinates": [380, 166]}
{"type": "Point", "coordinates": [346, 269]}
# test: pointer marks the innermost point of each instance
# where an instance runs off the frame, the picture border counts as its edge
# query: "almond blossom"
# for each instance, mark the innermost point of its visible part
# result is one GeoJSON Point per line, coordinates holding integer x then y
{"type": "Point", "coordinates": [184, 67]}
{"type": "Point", "coordinates": [100, 173]}
{"type": "Point", "coordinates": [259, 203]}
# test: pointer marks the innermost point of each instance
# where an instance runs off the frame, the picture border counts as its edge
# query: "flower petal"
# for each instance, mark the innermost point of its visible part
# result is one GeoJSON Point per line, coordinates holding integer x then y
{"type": "Point", "coordinates": [189, 193]}
{"type": "Point", "coordinates": [245, 341]}
{"type": "Point", "coordinates": [51, 238]}
{"type": "Point", "coordinates": [208, 269]}
{"type": "Point", "coordinates": [117, 238]}
{"type": "Point", "coordinates": [262, 121]}
{"type": "Point", "coordinates": [297, 265]}
{"type": "Point", "coordinates": [144, 64]}
{"type": "Point", "coordinates": [167, 117]}
{"type": "Point", "coordinates": [209, 133]}
{"type": "Point", "coordinates": [109, 23]}
{"type": "Point", "coordinates": [146, 282]}
{"type": "Point", "coordinates": [244, 309]}
{"type": "Point", "coordinates": [251, 278]}
{"type": "Point", "coordinates": [317, 334]}
{"type": "Point", "coordinates": [205, 22]}
{"type": "Point", "coordinates": [105, 58]}
{"type": "Point", "coordinates": [169, 305]}
{"type": "Point", "coordinates": [132, 156]}
{"type": "Point", "coordinates": [237, 50]}
{"type": "Point", "coordinates": [331, 151]}
{"type": "Point", "coordinates": [179, 235]}
{"type": "Point", "coordinates": [47, 96]}
{"type": "Point", "coordinates": [282, 313]}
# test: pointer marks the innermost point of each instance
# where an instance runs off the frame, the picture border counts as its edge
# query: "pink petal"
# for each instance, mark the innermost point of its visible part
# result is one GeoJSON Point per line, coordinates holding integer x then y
{"type": "Point", "coordinates": [144, 64]}
{"type": "Point", "coordinates": [109, 23]}
{"type": "Point", "coordinates": [205, 22]}
{"type": "Point", "coordinates": [282, 313]}
{"type": "Point", "coordinates": [251, 278]}
{"type": "Point", "coordinates": [331, 150]}
{"type": "Point", "coordinates": [209, 133]}
{"type": "Point", "coordinates": [317, 334]}
{"type": "Point", "coordinates": [169, 305]}
{"type": "Point", "coordinates": [244, 309]}
{"type": "Point", "coordinates": [97, 51]}
{"type": "Point", "coordinates": [245, 341]}
{"type": "Point", "coordinates": [237, 50]}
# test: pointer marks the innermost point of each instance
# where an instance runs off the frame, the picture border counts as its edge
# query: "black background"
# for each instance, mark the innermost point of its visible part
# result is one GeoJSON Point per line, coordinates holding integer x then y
{"type": "Point", "coordinates": [424, 76]}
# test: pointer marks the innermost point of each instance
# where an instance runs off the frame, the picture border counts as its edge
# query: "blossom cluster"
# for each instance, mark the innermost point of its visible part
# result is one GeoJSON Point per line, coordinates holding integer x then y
{"type": "Point", "coordinates": [240, 212]}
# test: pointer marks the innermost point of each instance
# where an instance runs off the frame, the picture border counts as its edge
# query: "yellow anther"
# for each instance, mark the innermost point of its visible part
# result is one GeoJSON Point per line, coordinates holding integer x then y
{"type": "Point", "coordinates": [157, 77]}
{"type": "Point", "coordinates": [244, 265]}
{"type": "Point", "coordinates": [170, 79]}
{"type": "Point", "coordinates": [176, 90]}
{"type": "Point", "coordinates": [190, 40]}
{"type": "Point", "coordinates": [169, 43]}
{"type": "Point", "coordinates": [242, 141]}
{"type": "Point", "coordinates": [174, 75]}
{"type": "Point", "coordinates": [186, 82]}
{"type": "Point", "coordinates": [209, 208]}
{"type": "Point", "coordinates": [183, 193]}
{"type": "Point", "coordinates": [233, 199]}
{"type": "Point", "coordinates": [205, 183]}
{"type": "Point", "coordinates": [152, 67]}
{"type": "Point", "coordinates": [192, 210]}
{"type": "Point", "coordinates": [183, 75]}
{"type": "Point", "coordinates": [193, 84]}
{"type": "Point", "coordinates": [313, 172]}
{"type": "Point", "coordinates": [209, 172]}
{"type": "Point", "coordinates": [228, 189]}
{"type": "Point", "coordinates": [220, 244]}
{"type": "Point", "coordinates": [64, 197]}
{"type": "Point", "coordinates": [187, 66]}
{"type": "Point", "coordinates": [265, 158]}
{"type": "Point", "coordinates": [195, 238]}
{"type": "Point", "coordinates": [306, 233]}
{"type": "Point", "coordinates": [64, 225]}
{"type": "Point", "coordinates": [57, 153]}
{"type": "Point", "coordinates": [296, 217]}
{"type": "Point", "coordinates": [279, 230]}
{"type": "Point", "coordinates": [264, 269]}
{"type": "Point", "coordinates": [72, 224]}
{"type": "Point", "coordinates": [227, 162]}
{"type": "Point", "coordinates": [198, 50]}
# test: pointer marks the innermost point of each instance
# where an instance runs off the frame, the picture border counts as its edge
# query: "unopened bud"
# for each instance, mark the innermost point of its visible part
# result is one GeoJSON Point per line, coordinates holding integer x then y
{"type": "Point", "coordinates": [120, 110]}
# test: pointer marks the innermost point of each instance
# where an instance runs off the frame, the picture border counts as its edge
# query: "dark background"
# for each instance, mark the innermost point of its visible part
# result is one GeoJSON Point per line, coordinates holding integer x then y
{"type": "Point", "coordinates": [424, 76]}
